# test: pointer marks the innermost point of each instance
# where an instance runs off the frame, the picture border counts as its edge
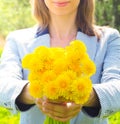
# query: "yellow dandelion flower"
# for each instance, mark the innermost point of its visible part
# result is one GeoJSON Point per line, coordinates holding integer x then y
{"type": "Point", "coordinates": [73, 54]}
{"type": "Point", "coordinates": [81, 88]}
{"type": "Point", "coordinates": [36, 89]}
{"type": "Point", "coordinates": [74, 65]}
{"type": "Point", "coordinates": [35, 62]}
{"type": "Point", "coordinates": [26, 61]}
{"type": "Point", "coordinates": [32, 76]}
{"type": "Point", "coordinates": [57, 52]}
{"type": "Point", "coordinates": [76, 49]}
{"type": "Point", "coordinates": [88, 67]}
{"type": "Point", "coordinates": [49, 75]}
{"type": "Point", "coordinates": [71, 74]}
{"type": "Point", "coordinates": [69, 95]}
{"type": "Point", "coordinates": [45, 57]}
{"type": "Point", "coordinates": [79, 71]}
{"type": "Point", "coordinates": [35, 75]}
{"type": "Point", "coordinates": [78, 44]}
{"type": "Point", "coordinates": [51, 90]}
{"type": "Point", "coordinates": [42, 50]}
{"type": "Point", "coordinates": [63, 82]}
{"type": "Point", "coordinates": [59, 65]}
{"type": "Point", "coordinates": [81, 100]}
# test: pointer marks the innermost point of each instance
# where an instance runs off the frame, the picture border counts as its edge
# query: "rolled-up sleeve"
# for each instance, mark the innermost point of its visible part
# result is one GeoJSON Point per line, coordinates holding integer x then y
{"type": "Point", "coordinates": [11, 77]}
{"type": "Point", "coordinates": [108, 89]}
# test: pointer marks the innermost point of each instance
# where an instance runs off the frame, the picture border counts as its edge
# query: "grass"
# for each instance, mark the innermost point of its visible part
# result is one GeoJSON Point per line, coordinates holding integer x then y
{"type": "Point", "coordinates": [7, 118]}
{"type": "Point", "coordinates": [115, 118]}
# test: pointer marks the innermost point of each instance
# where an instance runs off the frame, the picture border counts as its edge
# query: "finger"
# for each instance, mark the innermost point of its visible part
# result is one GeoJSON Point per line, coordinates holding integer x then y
{"type": "Point", "coordinates": [63, 118]}
{"type": "Point", "coordinates": [60, 111]}
{"type": "Point", "coordinates": [39, 103]}
{"type": "Point", "coordinates": [55, 107]}
{"type": "Point", "coordinates": [62, 108]}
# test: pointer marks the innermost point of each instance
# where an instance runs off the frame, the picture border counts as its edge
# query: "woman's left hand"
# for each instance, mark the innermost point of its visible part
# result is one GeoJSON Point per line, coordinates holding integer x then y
{"type": "Point", "coordinates": [59, 111]}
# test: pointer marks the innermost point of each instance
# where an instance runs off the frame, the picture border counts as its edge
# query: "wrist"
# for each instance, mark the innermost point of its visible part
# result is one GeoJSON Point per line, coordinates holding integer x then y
{"type": "Point", "coordinates": [25, 96]}
{"type": "Point", "coordinates": [93, 100]}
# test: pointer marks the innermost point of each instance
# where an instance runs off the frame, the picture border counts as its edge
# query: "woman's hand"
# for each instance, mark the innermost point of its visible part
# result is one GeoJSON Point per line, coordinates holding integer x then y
{"type": "Point", "coordinates": [62, 111]}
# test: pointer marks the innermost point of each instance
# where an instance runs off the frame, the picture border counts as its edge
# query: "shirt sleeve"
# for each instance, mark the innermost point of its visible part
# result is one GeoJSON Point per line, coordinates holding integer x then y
{"type": "Point", "coordinates": [11, 75]}
{"type": "Point", "coordinates": [108, 90]}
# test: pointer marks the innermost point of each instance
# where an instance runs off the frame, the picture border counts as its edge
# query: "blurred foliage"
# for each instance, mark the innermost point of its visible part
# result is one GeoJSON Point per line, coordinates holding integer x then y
{"type": "Point", "coordinates": [108, 13]}
{"type": "Point", "coordinates": [0, 51]}
{"type": "Point", "coordinates": [7, 118]}
{"type": "Point", "coordinates": [104, 13]}
{"type": "Point", "coordinates": [115, 118]}
{"type": "Point", "coordinates": [14, 14]}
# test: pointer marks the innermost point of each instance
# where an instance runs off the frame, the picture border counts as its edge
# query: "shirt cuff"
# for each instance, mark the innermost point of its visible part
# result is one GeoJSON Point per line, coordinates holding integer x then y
{"type": "Point", "coordinates": [9, 93]}
{"type": "Point", "coordinates": [23, 107]}
{"type": "Point", "coordinates": [91, 111]}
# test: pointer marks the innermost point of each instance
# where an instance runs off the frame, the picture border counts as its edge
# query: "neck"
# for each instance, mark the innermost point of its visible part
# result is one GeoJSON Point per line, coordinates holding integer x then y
{"type": "Point", "coordinates": [62, 27]}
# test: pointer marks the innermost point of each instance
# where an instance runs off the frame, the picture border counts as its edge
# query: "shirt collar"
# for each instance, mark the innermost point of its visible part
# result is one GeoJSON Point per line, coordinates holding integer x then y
{"type": "Point", "coordinates": [40, 32]}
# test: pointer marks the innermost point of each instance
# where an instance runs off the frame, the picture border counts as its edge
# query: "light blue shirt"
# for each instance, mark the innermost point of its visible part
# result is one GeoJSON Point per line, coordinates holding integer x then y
{"type": "Point", "coordinates": [106, 82]}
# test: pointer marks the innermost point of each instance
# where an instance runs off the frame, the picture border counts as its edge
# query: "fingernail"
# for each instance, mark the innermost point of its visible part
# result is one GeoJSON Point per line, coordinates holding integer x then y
{"type": "Point", "coordinates": [43, 103]}
{"type": "Point", "coordinates": [69, 104]}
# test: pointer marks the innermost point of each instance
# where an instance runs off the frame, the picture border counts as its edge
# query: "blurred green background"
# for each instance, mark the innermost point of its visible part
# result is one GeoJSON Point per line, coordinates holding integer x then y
{"type": "Point", "coordinates": [16, 14]}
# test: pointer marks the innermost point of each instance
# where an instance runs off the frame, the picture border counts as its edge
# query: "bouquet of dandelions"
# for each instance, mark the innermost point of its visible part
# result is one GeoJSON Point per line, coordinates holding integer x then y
{"type": "Point", "coordinates": [58, 73]}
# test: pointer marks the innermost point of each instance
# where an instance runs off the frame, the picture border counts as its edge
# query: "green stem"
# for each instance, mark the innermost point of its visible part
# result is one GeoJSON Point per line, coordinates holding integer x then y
{"type": "Point", "coordinates": [49, 120]}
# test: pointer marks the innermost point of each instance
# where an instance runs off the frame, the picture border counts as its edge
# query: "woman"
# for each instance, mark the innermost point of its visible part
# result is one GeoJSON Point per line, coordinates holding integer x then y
{"type": "Point", "coordinates": [59, 22]}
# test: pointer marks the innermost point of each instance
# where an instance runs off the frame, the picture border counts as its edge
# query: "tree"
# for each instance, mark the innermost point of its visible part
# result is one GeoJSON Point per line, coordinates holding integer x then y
{"type": "Point", "coordinates": [108, 13]}
{"type": "Point", "coordinates": [104, 14]}
{"type": "Point", "coordinates": [116, 12]}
